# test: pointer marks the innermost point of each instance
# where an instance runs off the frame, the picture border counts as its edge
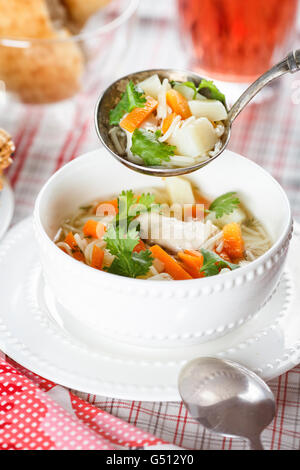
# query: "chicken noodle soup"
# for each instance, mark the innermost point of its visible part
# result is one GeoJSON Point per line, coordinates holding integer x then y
{"type": "Point", "coordinates": [170, 233]}
{"type": "Point", "coordinates": [168, 124]}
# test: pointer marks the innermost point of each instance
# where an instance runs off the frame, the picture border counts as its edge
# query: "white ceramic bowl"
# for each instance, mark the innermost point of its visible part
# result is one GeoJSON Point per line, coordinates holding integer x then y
{"type": "Point", "coordinates": [6, 207]}
{"type": "Point", "coordinates": [160, 313]}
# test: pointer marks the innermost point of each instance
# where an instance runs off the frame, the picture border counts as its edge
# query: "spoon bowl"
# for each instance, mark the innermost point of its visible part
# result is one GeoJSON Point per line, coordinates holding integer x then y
{"type": "Point", "coordinates": [226, 398]}
{"type": "Point", "coordinates": [112, 94]}
{"type": "Point", "coordinates": [110, 98]}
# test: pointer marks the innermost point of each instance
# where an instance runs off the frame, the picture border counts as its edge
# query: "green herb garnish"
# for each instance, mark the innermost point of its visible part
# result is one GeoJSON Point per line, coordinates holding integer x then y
{"type": "Point", "coordinates": [126, 262]}
{"type": "Point", "coordinates": [213, 263]}
{"type": "Point", "coordinates": [131, 99]}
{"type": "Point", "coordinates": [208, 89]}
{"type": "Point", "coordinates": [146, 145]}
{"type": "Point", "coordinates": [130, 206]}
{"type": "Point", "coordinates": [224, 204]}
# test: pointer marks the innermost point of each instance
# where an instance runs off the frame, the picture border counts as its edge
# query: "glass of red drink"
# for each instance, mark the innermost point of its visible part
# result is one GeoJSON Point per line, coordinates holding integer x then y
{"type": "Point", "coordinates": [236, 40]}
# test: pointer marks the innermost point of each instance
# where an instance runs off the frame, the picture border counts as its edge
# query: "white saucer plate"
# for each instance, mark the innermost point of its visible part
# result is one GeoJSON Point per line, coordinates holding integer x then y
{"type": "Point", "coordinates": [6, 207]}
{"type": "Point", "coordinates": [37, 333]}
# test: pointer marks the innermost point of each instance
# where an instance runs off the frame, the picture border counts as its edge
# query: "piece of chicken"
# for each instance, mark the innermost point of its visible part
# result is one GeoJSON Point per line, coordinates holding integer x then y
{"type": "Point", "coordinates": [174, 234]}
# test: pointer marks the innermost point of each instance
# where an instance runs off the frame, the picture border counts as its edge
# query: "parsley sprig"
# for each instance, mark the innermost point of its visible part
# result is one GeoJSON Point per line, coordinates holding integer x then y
{"type": "Point", "coordinates": [146, 145]}
{"type": "Point", "coordinates": [131, 99]}
{"type": "Point", "coordinates": [224, 204]}
{"type": "Point", "coordinates": [213, 263]}
{"type": "Point", "coordinates": [126, 262]}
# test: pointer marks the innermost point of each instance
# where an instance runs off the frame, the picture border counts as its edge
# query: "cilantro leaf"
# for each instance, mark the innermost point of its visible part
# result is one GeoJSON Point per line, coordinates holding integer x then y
{"type": "Point", "coordinates": [136, 99]}
{"type": "Point", "coordinates": [129, 100]}
{"type": "Point", "coordinates": [213, 263]}
{"type": "Point", "coordinates": [125, 201]}
{"type": "Point", "coordinates": [224, 204]}
{"type": "Point", "coordinates": [118, 240]}
{"type": "Point", "coordinates": [208, 88]}
{"type": "Point", "coordinates": [146, 145]}
{"type": "Point", "coordinates": [130, 206]}
{"type": "Point", "coordinates": [142, 262]}
{"type": "Point", "coordinates": [131, 265]}
{"type": "Point", "coordinates": [126, 262]}
{"type": "Point", "coordinates": [147, 200]}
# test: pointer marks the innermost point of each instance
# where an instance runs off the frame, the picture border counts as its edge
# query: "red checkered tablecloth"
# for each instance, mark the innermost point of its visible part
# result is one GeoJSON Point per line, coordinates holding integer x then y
{"type": "Point", "coordinates": [48, 137]}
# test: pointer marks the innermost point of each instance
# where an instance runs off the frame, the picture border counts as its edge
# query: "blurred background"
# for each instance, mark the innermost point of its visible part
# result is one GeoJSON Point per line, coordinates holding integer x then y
{"type": "Point", "coordinates": [50, 79]}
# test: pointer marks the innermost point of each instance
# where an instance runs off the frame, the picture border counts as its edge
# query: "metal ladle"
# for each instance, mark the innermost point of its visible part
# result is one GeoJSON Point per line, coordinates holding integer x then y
{"type": "Point", "coordinates": [226, 398]}
{"type": "Point", "coordinates": [112, 94]}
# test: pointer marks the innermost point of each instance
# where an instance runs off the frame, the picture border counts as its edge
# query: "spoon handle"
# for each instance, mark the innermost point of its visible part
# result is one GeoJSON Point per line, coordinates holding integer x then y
{"type": "Point", "coordinates": [255, 443]}
{"type": "Point", "coordinates": [290, 64]}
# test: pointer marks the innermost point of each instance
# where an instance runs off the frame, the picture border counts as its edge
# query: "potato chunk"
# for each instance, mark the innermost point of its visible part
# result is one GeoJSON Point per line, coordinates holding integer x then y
{"type": "Point", "coordinates": [186, 91]}
{"type": "Point", "coordinates": [213, 110]}
{"type": "Point", "coordinates": [195, 138]}
{"type": "Point", "coordinates": [151, 86]}
{"type": "Point", "coordinates": [180, 191]}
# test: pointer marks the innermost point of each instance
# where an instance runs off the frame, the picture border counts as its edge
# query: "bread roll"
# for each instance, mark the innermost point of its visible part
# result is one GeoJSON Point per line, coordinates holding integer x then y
{"type": "Point", "coordinates": [81, 10]}
{"type": "Point", "coordinates": [25, 19]}
{"type": "Point", "coordinates": [47, 71]}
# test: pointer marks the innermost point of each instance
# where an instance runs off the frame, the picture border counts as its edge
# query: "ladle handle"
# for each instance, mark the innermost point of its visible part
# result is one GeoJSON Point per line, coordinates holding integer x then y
{"type": "Point", "coordinates": [255, 443]}
{"type": "Point", "coordinates": [290, 64]}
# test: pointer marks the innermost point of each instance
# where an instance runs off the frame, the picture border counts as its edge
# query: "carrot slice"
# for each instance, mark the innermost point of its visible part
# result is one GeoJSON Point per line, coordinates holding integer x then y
{"type": "Point", "coordinates": [201, 200]}
{"type": "Point", "coordinates": [197, 211]}
{"type": "Point", "coordinates": [70, 240]}
{"type": "Point", "coordinates": [90, 229]}
{"type": "Point", "coordinates": [191, 260]}
{"type": "Point", "coordinates": [233, 241]}
{"type": "Point", "coordinates": [191, 271]}
{"type": "Point", "coordinates": [167, 122]}
{"type": "Point", "coordinates": [140, 247]}
{"type": "Point", "coordinates": [94, 229]}
{"type": "Point", "coordinates": [171, 266]}
{"type": "Point", "coordinates": [107, 207]}
{"type": "Point", "coordinates": [194, 253]}
{"type": "Point", "coordinates": [135, 118]}
{"type": "Point", "coordinates": [76, 252]}
{"type": "Point", "coordinates": [97, 257]}
{"type": "Point", "coordinates": [191, 263]}
{"type": "Point", "coordinates": [225, 256]}
{"type": "Point", "coordinates": [178, 103]}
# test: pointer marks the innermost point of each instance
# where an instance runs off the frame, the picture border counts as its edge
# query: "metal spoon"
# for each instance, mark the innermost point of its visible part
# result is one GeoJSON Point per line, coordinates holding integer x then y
{"type": "Point", "coordinates": [226, 398]}
{"type": "Point", "coordinates": [111, 96]}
